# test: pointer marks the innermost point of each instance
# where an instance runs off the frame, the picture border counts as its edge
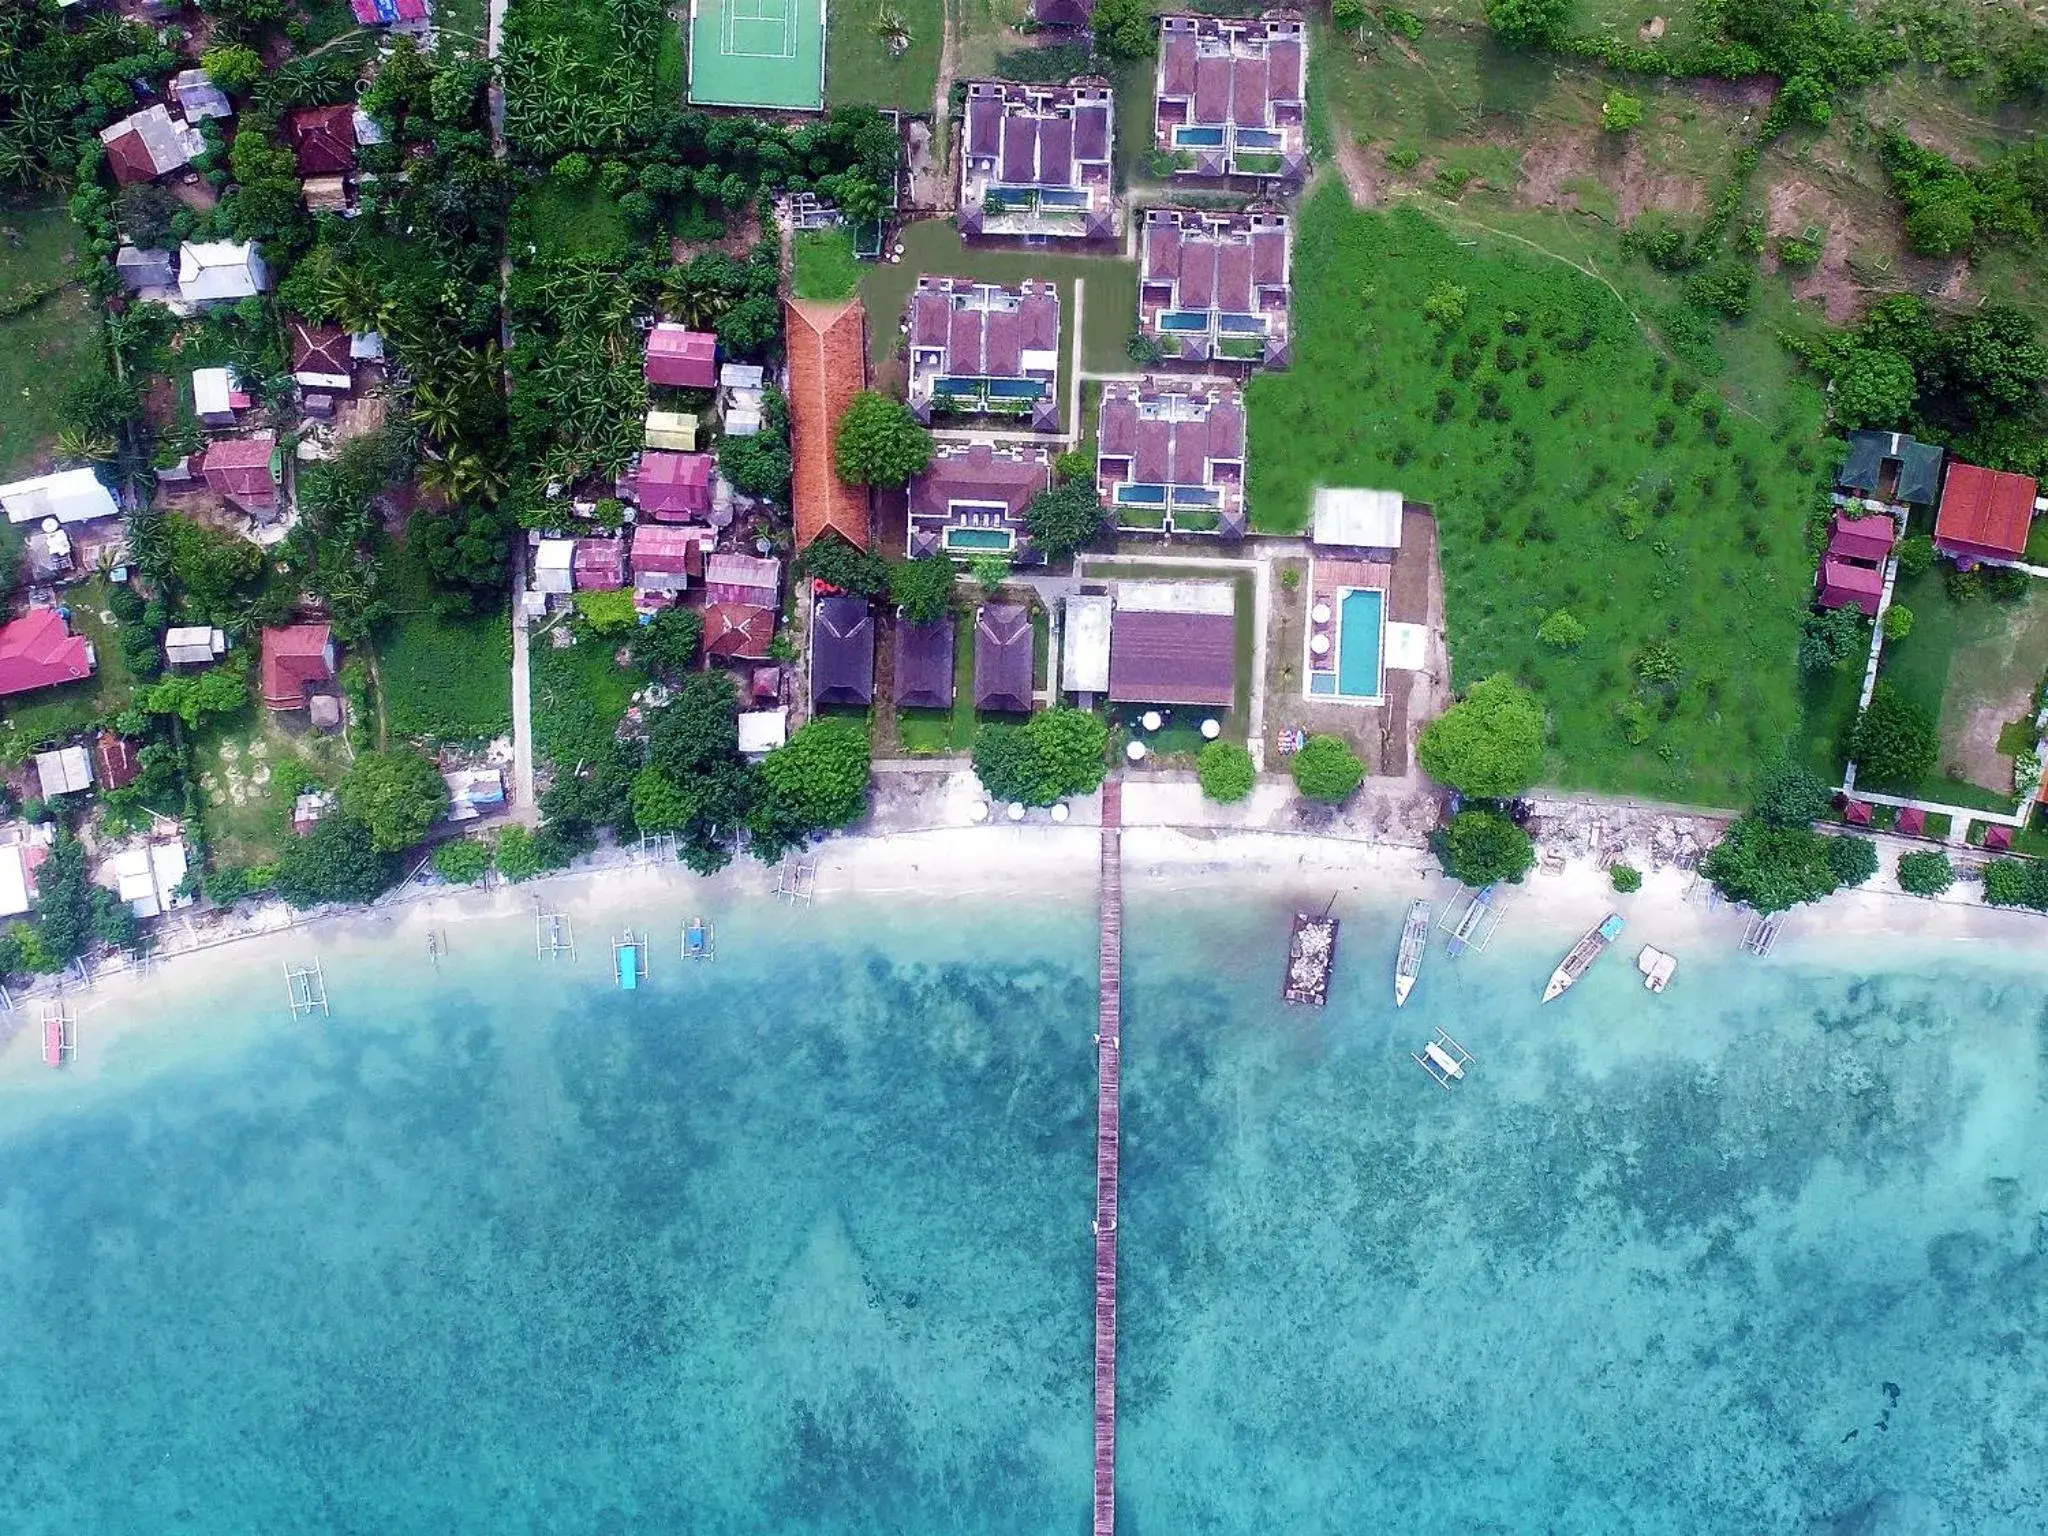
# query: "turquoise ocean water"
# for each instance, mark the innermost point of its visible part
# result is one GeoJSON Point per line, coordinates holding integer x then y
{"type": "Point", "coordinates": [798, 1242]}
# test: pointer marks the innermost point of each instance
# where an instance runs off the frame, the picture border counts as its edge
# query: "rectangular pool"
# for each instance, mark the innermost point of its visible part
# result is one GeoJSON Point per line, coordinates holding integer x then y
{"type": "Point", "coordinates": [978, 539]}
{"type": "Point", "coordinates": [1206, 138]}
{"type": "Point", "coordinates": [1360, 614]}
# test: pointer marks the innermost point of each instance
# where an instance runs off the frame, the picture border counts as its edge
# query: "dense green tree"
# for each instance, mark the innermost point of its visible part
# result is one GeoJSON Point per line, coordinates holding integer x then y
{"type": "Point", "coordinates": [1874, 389]}
{"type": "Point", "coordinates": [1481, 848]}
{"type": "Point", "coordinates": [1528, 23]}
{"type": "Point", "coordinates": [1893, 741]}
{"type": "Point", "coordinates": [757, 465]}
{"type": "Point", "coordinates": [1788, 794]}
{"type": "Point", "coordinates": [1926, 872]}
{"type": "Point", "coordinates": [1828, 637]}
{"type": "Point", "coordinates": [468, 548]}
{"type": "Point", "coordinates": [220, 689]}
{"type": "Point", "coordinates": [1853, 859]}
{"type": "Point", "coordinates": [233, 67]}
{"type": "Point", "coordinates": [1562, 631]}
{"type": "Point", "coordinates": [1770, 868]}
{"type": "Point", "coordinates": [397, 794]}
{"type": "Point", "coordinates": [462, 860]}
{"type": "Point", "coordinates": [922, 588]}
{"type": "Point", "coordinates": [1488, 744]}
{"type": "Point", "coordinates": [1056, 753]}
{"type": "Point", "coordinates": [1625, 878]}
{"type": "Point", "coordinates": [821, 773]}
{"type": "Point", "coordinates": [1225, 769]}
{"type": "Point", "coordinates": [1327, 769]}
{"type": "Point", "coordinates": [212, 568]}
{"type": "Point", "coordinates": [1621, 111]}
{"type": "Point", "coordinates": [698, 730]}
{"type": "Point", "coordinates": [835, 562]}
{"type": "Point", "coordinates": [337, 861]}
{"type": "Point", "coordinates": [880, 442]}
{"type": "Point", "coordinates": [667, 645]}
{"type": "Point", "coordinates": [1124, 29]}
{"type": "Point", "coordinates": [64, 902]}
{"type": "Point", "coordinates": [514, 854]}
{"type": "Point", "coordinates": [2016, 883]}
{"type": "Point", "coordinates": [1065, 518]}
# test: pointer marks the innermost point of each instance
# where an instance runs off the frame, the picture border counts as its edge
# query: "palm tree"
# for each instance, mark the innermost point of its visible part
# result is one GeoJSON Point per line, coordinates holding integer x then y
{"type": "Point", "coordinates": [693, 300]}
{"type": "Point", "coordinates": [81, 444]}
{"type": "Point", "coordinates": [436, 412]}
{"type": "Point", "coordinates": [891, 28]}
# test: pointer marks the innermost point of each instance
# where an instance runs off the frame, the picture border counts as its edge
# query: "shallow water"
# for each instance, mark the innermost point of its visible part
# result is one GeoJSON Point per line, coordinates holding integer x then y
{"type": "Point", "coordinates": [798, 1242]}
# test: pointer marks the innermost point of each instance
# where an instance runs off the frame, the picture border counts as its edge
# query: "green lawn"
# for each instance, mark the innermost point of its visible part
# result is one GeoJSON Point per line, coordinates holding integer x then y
{"type": "Point", "coordinates": [1110, 305]}
{"type": "Point", "coordinates": [937, 732]}
{"type": "Point", "coordinates": [562, 220]}
{"type": "Point", "coordinates": [825, 266]}
{"type": "Point", "coordinates": [251, 768]}
{"type": "Point", "coordinates": [45, 347]}
{"type": "Point", "coordinates": [444, 679]}
{"type": "Point", "coordinates": [580, 693]}
{"type": "Point", "coordinates": [1531, 504]}
{"type": "Point", "coordinates": [860, 71]}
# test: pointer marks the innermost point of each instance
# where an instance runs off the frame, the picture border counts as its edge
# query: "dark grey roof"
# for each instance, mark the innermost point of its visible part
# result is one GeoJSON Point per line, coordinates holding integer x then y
{"type": "Point", "coordinates": [1172, 658]}
{"type": "Point", "coordinates": [842, 652]}
{"type": "Point", "coordinates": [1919, 466]}
{"type": "Point", "coordinates": [139, 269]}
{"type": "Point", "coordinates": [1002, 658]}
{"type": "Point", "coordinates": [924, 664]}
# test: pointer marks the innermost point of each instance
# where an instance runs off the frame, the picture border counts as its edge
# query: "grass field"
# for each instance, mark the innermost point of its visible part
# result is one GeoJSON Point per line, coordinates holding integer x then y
{"type": "Point", "coordinates": [443, 680]}
{"type": "Point", "coordinates": [562, 220]}
{"type": "Point", "coordinates": [1109, 307]}
{"type": "Point", "coordinates": [44, 348]}
{"type": "Point", "coordinates": [860, 70]}
{"type": "Point", "coordinates": [1692, 620]}
{"type": "Point", "coordinates": [825, 266]}
{"type": "Point", "coordinates": [580, 693]}
{"type": "Point", "coordinates": [251, 768]}
{"type": "Point", "coordinates": [937, 732]}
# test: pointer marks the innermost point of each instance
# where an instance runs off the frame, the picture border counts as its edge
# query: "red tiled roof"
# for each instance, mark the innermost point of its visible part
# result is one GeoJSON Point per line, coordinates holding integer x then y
{"type": "Point", "coordinates": [1862, 538]}
{"type": "Point", "coordinates": [682, 359]}
{"type": "Point", "coordinates": [1843, 585]}
{"type": "Point", "coordinates": [324, 139]}
{"type": "Point", "coordinates": [1857, 813]}
{"type": "Point", "coordinates": [238, 468]}
{"type": "Point", "coordinates": [320, 349]}
{"type": "Point", "coordinates": [1997, 839]}
{"type": "Point", "coordinates": [1985, 512]}
{"type": "Point", "coordinates": [674, 486]}
{"type": "Point", "coordinates": [38, 650]}
{"type": "Point", "coordinates": [738, 631]}
{"type": "Point", "coordinates": [1912, 821]}
{"type": "Point", "coordinates": [129, 159]}
{"type": "Point", "coordinates": [828, 366]}
{"type": "Point", "coordinates": [294, 658]}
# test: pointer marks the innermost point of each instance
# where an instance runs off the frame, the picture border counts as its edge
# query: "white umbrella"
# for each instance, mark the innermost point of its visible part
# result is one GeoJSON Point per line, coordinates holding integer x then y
{"type": "Point", "coordinates": [1152, 720]}
{"type": "Point", "coordinates": [1059, 812]}
{"type": "Point", "coordinates": [1320, 644]}
{"type": "Point", "coordinates": [1016, 810]}
{"type": "Point", "coordinates": [1320, 613]}
{"type": "Point", "coordinates": [1135, 751]}
{"type": "Point", "coordinates": [979, 810]}
{"type": "Point", "coordinates": [1211, 730]}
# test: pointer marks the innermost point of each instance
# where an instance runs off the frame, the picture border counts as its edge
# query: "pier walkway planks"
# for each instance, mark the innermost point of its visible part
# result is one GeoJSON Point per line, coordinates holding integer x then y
{"type": "Point", "coordinates": [1109, 1059]}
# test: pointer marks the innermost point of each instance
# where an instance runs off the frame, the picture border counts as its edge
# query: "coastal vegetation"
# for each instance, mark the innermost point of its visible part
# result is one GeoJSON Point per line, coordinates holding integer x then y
{"type": "Point", "coordinates": [1225, 771]}
{"type": "Point", "coordinates": [1926, 872]}
{"type": "Point", "coordinates": [1481, 848]}
{"type": "Point", "coordinates": [1056, 753]}
{"type": "Point", "coordinates": [1773, 868]}
{"type": "Point", "coordinates": [1489, 743]}
{"type": "Point", "coordinates": [1326, 769]}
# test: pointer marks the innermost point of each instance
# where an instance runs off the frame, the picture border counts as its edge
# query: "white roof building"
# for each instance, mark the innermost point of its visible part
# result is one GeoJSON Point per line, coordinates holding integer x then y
{"type": "Point", "coordinates": [198, 97]}
{"type": "Point", "coordinates": [193, 645]}
{"type": "Point", "coordinates": [70, 496]}
{"type": "Point", "coordinates": [1084, 654]}
{"type": "Point", "coordinates": [1357, 519]}
{"type": "Point", "coordinates": [220, 272]}
{"type": "Point", "coordinates": [167, 142]}
{"type": "Point", "coordinates": [14, 898]}
{"type": "Point", "coordinates": [212, 391]}
{"type": "Point", "coordinates": [64, 772]}
{"type": "Point", "coordinates": [147, 877]}
{"type": "Point", "coordinates": [554, 566]}
{"type": "Point", "coordinates": [761, 731]}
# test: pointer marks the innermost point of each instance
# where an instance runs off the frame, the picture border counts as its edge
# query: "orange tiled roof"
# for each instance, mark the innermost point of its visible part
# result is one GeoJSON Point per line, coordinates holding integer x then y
{"type": "Point", "coordinates": [828, 366]}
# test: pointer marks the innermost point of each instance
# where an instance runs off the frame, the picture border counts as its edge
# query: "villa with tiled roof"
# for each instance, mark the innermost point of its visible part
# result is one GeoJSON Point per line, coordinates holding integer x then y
{"type": "Point", "coordinates": [1035, 160]}
{"type": "Point", "coordinates": [979, 349]}
{"type": "Point", "coordinates": [1170, 455]}
{"type": "Point", "coordinates": [1214, 286]}
{"type": "Point", "coordinates": [1229, 98]}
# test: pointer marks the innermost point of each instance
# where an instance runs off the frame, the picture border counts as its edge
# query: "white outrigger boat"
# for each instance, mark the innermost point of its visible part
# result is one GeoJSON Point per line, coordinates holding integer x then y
{"type": "Point", "coordinates": [1443, 1059]}
{"type": "Point", "coordinates": [1414, 943]}
{"type": "Point", "coordinates": [1580, 957]}
{"type": "Point", "coordinates": [1657, 967]}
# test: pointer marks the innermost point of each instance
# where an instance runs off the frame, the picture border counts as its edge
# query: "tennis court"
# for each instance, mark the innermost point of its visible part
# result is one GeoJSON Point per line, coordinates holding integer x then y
{"type": "Point", "coordinates": [758, 53]}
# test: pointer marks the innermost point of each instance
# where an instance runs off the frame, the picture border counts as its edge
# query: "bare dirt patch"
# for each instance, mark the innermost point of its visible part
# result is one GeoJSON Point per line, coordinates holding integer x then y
{"type": "Point", "coordinates": [1554, 161]}
{"type": "Point", "coordinates": [1792, 207]}
{"type": "Point", "coordinates": [1751, 94]}
{"type": "Point", "coordinates": [1365, 171]}
{"type": "Point", "coordinates": [1637, 188]}
{"type": "Point", "coordinates": [1974, 754]}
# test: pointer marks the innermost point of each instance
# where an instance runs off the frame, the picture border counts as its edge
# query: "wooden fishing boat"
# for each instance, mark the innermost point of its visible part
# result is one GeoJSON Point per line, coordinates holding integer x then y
{"type": "Point", "coordinates": [1414, 944]}
{"type": "Point", "coordinates": [699, 941]}
{"type": "Point", "coordinates": [1579, 958]}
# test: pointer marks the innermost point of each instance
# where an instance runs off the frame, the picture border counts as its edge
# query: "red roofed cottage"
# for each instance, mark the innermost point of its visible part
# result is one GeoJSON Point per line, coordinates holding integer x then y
{"type": "Point", "coordinates": [1985, 514]}
{"type": "Point", "coordinates": [294, 659]}
{"type": "Point", "coordinates": [38, 650]}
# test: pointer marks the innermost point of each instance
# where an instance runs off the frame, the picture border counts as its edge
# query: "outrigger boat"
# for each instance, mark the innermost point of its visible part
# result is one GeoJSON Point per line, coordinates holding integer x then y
{"type": "Point", "coordinates": [1580, 957]}
{"type": "Point", "coordinates": [629, 960]}
{"type": "Point", "coordinates": [1443, 1059]}
{"type": "Point", "coordinates": [1657, 967]}
{"type": "Point", "coordinates": [1414, 943]}
{"type": "Point", "coordinates": [699, 941]}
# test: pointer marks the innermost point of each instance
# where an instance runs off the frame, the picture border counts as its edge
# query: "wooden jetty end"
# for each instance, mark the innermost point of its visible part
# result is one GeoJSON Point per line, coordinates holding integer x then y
{"type": "Point", "coordinates": [1311, 956]}
{"type": "Point", "coordinates": [1109, 1059]}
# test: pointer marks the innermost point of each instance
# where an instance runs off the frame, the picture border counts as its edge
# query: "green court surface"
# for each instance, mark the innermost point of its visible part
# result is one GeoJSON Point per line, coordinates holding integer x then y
{"type": "Point", "coordinates": [758, 53]}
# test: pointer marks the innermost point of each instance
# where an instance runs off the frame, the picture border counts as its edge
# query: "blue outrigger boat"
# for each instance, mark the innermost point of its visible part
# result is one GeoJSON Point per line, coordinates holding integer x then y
{"type": "Point", "coordinates": [629, 960]}
{"type": "Point", "coordinates": [700, 941]}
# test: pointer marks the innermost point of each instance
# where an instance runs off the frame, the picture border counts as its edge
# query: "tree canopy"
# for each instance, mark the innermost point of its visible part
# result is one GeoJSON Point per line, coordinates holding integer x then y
{"type": "Point", "coordinates": [1926, 872]}
{"type": "Point", "coordinates": [1893, 741]}
{"type": "Point", "coordinates": [819, 777]}
{"type": "Point", "coordinates": [1225, 769]}
{"type": "Point", "coordinates": [668, 644]}
{"type": "Point", "coordinates": [1773, 868]}
{"type": "Point", "coordinates": [835, 562]}
{"type": "Point", "coordinates": [337, 861]}
{"type": "Point", "coordinates": [398, 795]}
{"type": "Point", "coordinates": [1481, 848]}
{"type": "Point", "coordinates": [1490, 743]}
{"type": "Point", "coordinates": [922, 588]}
{"type": "Point", "coordinates": [1327, 769]}
{"type": "Point", "coordinates": [1528, 23]}
{"type": "Point", "coordinates": [1064, 519]}
{"type": "Point", "coordinates": [1124, 29]}
{"type": "Point", "coordinates": [1056, 753]}
{"type": "Point", "coordinates": [880, 442]}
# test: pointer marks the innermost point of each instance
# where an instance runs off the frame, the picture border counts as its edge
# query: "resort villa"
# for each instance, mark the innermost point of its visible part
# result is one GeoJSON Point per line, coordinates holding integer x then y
{"type": "Point", "coordinates": [828, 366]}
{"type": "Point", "coordinates": [1173, 642]}
{"type": "Point", "coordinates": [1002, 659]}
{"type": "Point", "coordinates": [971, 499]}
{"type": "Point", "coordinates": [842, 653]}
{"type": "Point", "coordinates": [1985, 515]}
{"type": "Point", "coordinates": [1229, 96]}
{"type": "Point", "coordinates": [924, 664]}
{"type": "Point", "coordinates": [1852, 569]}
{"type": "Point", "coordinates": [1214, 286]}
{"type": "Point", "coordinates": [1170, 455]}
{"type": "Point", "coordinates": [983, 350]}
{"type": "Point", "coordinates": [1356, 540]}
{"type": "Point", "coordinates": [1035, 162]}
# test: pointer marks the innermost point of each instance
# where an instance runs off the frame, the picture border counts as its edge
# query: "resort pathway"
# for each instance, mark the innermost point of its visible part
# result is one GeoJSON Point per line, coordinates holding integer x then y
{"type": "Point", "coordinates": [523, 806]}
{"type": "Point", "coordinates": [1109, 1073]}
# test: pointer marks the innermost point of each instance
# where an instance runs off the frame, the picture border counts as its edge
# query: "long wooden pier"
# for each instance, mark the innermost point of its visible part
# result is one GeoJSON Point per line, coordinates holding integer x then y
{"type": "Point", "coordinates": [1109, 1060]}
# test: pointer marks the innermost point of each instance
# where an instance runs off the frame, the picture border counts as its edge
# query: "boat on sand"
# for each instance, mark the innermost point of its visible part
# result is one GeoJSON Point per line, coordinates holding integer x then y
{"type": "Point", "coordinates": [1414, 943]}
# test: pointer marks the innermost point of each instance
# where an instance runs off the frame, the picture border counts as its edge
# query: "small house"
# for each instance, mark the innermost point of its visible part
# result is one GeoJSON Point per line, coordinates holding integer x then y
{"type": "Point", "coordinates": [924, 664]}
{"type": "Point", "coordinates": [674, 487]}
{"type": "Point", "coordinates": [146, 273]}
{"type": "Point", "coordinates": [1063, 15]}
{"type": "Point", "coordinates": [741, 403]}
{"type": "Point", "coordinates": [65, 771]}
{"type": "Point", "coordinates": [321, 357]}
{"type": "Point", "coordinates": [672, 431]}
{"type": "Point", "coordinates": [198, 97]}
{"type": "Point", "coordinates": [17, 875]}
{"type": "Point", "coordinates": [38, 650]}
{"type": "Point", "coordinates": [664, 559]}
{"type": "Point", "coordinates": [680, 358]}
{"type": "Point", "coordinates": [149, 876]}
{"type": "Point", "coordinates": [194, 645]}
{"type": "Point", "coordinates": [115, 763]}
{"type": "Point", "coordinates": [738, 632]}
{"type": "Point", "coordinates": [323, 139]}
{"type": "Point", "coordinates": [48, 555]}
{"type": "Point", "coordinates": [599, 565]}
{"type": "Point", "coordinates": [297, 660]}
{"type": "Point", "coordinates": [474, 792]}
{"type": "Point", "coordinates": [218, 272]}
{"type": "Point", "coordinates": [215, 398]}
{"type": "Point", "coordinates": [1985, 514]}
{"type": "Point", "coordinates": [1230, 95]}
{"type": "Point", "coordinates": [842, 653]}
{"type": "Point", "coordinates": [150, 143]}
{"type": "Point", "coordinates": [733, 578]}
{"type": "Point", "coordinates": [69, 496]}
{"type": "Point", "coordinates": [243, 471]}
{"type": "Point", "coordinates": [1035, 161]}
{"type": "Point", "coordinates": [1002, 659]}
{"type": "Point", "coordinates": [1891, 468]}
{"type": "Point", "coordinates": [554, 567]}
{"type": "Point", "coordinates": [1173, 642]}
{"type": "Point", "coordinates": [1852, 569]}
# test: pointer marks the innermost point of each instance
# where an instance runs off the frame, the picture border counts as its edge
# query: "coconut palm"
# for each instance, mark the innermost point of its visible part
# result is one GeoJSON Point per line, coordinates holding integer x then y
{"type": "Point", "coordinates": [84, 446]}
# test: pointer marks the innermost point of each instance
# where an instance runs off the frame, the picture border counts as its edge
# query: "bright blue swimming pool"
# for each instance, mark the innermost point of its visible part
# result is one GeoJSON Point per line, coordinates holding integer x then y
{"type": "Point", "coordinates": [1358, 646]}
{"type": "Point", "coordinates": [1183, 320]}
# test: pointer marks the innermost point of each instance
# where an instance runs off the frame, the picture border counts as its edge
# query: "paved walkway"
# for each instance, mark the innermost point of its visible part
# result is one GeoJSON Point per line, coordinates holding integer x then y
{"type": "Point", "coordinates": [524, 805]}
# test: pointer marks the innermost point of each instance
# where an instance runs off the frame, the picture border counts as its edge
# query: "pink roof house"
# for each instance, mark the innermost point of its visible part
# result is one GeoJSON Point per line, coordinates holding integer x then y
{"type": "Point", "coordinates": [682, 359]}
{"type": "Point", "coordinates": [599, 565]}
{"type": "Point", "coordinates": [751, 579]}
{"type": "Point", "coordinates": [664, 559]}
{"type": "Point", "coordinates": [674, 487]}
{"type": "Point", "coordinates": [243, 470]}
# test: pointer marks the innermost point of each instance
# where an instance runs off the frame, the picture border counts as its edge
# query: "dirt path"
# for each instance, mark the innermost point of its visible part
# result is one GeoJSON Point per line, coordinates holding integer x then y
{"type": "Point", "coordinates": [940, 196]}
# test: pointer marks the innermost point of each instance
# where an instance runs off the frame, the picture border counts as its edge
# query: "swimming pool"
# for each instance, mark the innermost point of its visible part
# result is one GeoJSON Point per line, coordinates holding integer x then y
{"type": "Point", "coordinates": [980, 539]}
{"type": "Point", "coordinates": [1360, 612]}
{"type": "Point", "coordinates": [1203, 137]}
